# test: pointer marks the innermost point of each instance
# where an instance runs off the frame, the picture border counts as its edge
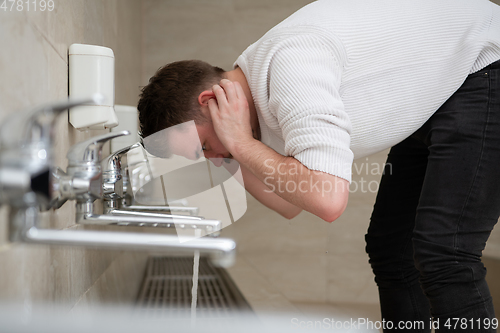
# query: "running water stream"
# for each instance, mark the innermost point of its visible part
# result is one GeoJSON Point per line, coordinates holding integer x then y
{"type": "Point", "coordinates": [194, 291]}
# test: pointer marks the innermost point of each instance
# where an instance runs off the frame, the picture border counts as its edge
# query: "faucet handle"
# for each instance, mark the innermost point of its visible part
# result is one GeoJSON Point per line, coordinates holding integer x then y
{"type": "Point", "coordinates": [112, 164]}
{"type": "Point", "coordinates": [89, 151]}
{"type": "Point", "coordinates": [112, 172]}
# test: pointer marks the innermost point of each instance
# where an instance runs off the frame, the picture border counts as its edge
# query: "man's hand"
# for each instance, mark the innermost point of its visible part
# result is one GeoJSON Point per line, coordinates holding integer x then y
{"type": "Point", "coordinates": [230, 115]}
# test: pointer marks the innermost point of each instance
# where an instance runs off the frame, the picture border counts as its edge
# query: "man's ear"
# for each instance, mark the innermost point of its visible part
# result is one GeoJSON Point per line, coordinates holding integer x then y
{"type": "Point", "coordinates": [205, 96]}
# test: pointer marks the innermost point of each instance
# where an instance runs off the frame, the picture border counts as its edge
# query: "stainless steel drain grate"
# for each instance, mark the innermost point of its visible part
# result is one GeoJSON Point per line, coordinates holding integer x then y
{"type": "Point", "coordinates": [166, 290]}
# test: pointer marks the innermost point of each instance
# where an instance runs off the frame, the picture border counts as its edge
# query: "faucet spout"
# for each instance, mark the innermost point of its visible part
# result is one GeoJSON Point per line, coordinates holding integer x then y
{"type": "Point", "coordinates": [193, 211]}
{"type": "Point", "coordinates": [211, 227]}
{"type": "Point", "coordinates": [85, 215]}
{"type": "Point", "coordinates": [221, 251]}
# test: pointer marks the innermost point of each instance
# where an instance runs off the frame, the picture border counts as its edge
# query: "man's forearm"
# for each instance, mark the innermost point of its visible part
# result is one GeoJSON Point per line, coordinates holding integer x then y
{"type": "Point", "coordinates": [268, 198]}
{"type": "Point", "coordinates": [319, 193]}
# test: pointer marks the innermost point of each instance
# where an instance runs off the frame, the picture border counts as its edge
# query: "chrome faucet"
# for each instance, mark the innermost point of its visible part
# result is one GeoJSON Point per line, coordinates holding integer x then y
{"type": "Point", "coordinates": [118, 194]}
{"type": "Point", "coordinates": [118, 190]}
{"type": "Point", "coordinates": [83, 182]}
{"type": "Point", "coordinates": [25, 162]}
{"type": "Point", "coordinates": [113, 175]}
{"type": "Point", "coordinates": [26, 153]}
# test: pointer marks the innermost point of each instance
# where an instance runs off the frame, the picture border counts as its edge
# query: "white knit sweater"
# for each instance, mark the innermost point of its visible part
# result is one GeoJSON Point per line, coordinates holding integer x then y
{"type": "Point", "coordinates": [343, 79]}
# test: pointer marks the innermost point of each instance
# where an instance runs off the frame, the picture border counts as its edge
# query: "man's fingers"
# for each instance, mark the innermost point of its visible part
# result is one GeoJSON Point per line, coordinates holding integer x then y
{"type": "Point", "coordinates": [230, 90]}
{"type": "Point", "coordinates": [212, 107]}
{"type": "Point", "coordinates": [220, 95]}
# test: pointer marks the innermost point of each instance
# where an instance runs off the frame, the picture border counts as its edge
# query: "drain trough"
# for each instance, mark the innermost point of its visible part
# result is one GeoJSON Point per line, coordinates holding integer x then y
{"type": "Point", "coordinates": [167, 284]}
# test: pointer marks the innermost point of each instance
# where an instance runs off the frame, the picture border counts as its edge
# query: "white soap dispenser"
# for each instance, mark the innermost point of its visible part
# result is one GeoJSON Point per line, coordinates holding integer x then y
{"type": "Point", "coordinates": [92, 70]}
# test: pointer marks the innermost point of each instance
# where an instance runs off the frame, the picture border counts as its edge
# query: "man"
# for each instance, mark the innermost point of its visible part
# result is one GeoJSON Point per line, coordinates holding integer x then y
{"type": "Point", "coordinates": [339, 80]}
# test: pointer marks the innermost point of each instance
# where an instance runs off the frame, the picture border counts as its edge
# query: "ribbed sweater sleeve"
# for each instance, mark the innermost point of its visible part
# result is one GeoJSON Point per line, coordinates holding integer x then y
{"type": "Point", "coordinates": [304, 80]}
{"type": "Point", "coordinates": [343, 79]}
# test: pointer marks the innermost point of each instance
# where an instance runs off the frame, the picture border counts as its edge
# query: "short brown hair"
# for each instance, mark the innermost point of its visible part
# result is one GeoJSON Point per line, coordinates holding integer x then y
{"type": "Point", "coordinates": [171, 97]}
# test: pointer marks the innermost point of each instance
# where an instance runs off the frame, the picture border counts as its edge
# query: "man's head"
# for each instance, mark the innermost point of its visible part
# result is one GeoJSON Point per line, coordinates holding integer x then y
{"type": "Point", "coordinates": [173, 111]}
{"type": "Point", "coordinates": [171, 97]}
{"type": "Point", "coordinates": [175, 96]}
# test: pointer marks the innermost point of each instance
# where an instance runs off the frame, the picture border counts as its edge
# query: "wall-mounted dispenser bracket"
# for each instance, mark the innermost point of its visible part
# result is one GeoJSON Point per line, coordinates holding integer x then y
{"type": "Point", "coordinates": [92, 69]}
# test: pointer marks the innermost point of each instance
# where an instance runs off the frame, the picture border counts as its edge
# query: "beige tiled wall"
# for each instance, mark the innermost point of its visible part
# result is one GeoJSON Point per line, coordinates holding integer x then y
{"type": "Point", "coordinates": [34, 70]}
{"type": "Point", "coordinates": [216, 31]}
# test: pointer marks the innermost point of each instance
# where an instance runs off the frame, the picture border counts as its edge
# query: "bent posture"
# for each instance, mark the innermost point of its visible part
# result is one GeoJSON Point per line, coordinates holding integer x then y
{"type": "Point", "coordinates": [339, 80]}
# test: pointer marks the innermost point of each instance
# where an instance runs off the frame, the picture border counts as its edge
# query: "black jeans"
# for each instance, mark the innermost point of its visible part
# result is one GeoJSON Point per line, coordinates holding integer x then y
{"type": "Point", "coordinates": [438, 201]}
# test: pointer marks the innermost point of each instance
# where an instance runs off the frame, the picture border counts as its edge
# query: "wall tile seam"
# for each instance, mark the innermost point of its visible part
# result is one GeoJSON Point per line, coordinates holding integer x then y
{"type": "Point", "coordinates": [327, 264]}
{"type": "Point", "coordinates": [324, 262]}
{"type": "Point", "coordinates": [249, 262]}
{"type": "Point", "coordinates": [492, 253]}
{"type": "Point", "coordinates": [73, 226]}
{"type": "Point", "coordinates": [11, 245]}
{"type": "Point", "coordinates": [288, 252]}
{"type": "Point", "coordinates": [95, 281]}
{"type": "Point", "coordinates": [6, 247]}
{"type": "Point", "coordinates": [366, 286]}
{"type": "Point", "coordinates": [142, 43]}
{"type": "Point", "coordinates": [35, 28]}
{"type": "Point", "coordinates": [356, 295]}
